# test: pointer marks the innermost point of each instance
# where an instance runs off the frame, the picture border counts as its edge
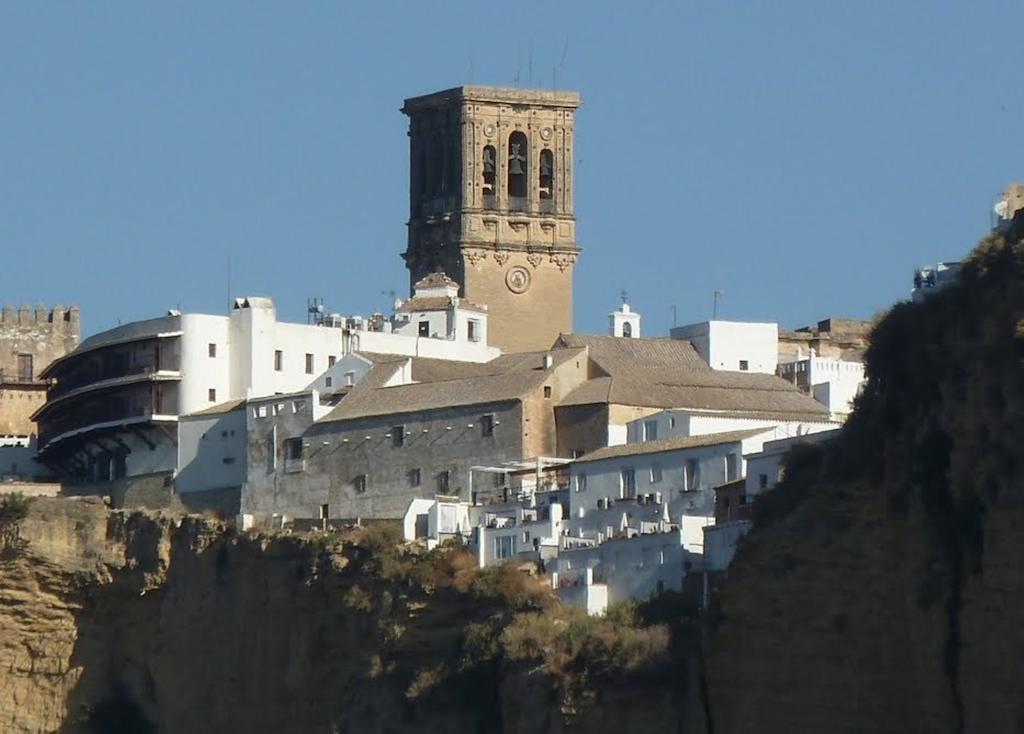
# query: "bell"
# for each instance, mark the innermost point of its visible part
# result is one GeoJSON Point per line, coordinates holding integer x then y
{"type": "Point", "coordinates": [516, 167]}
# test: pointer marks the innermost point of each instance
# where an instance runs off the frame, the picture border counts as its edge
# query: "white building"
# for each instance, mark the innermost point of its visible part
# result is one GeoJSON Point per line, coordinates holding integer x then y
{"type": "Point", "coordinates": [113, 408]}
{"type": "Point", "coordinates": [685, 423]}
{"type": "Point", "coordinates": [764, 467]}
{"type": "Point", "coordinates": [624, 322]}
{"type": "Point", "coordinates": [833, 382]}
{"type": "Point", "coordinates": [736, 346]}
{"type": "Point", "coordinates": [929, 280]}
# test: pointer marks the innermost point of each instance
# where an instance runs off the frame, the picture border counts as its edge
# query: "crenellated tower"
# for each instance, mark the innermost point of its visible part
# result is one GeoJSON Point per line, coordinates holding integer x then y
{"type": "Point", "coordinates": [491, 205]}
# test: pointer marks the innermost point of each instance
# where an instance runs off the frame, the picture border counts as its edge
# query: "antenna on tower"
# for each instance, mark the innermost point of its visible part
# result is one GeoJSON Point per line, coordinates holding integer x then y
{"type": "Point", "coordinates": [718, 294]}
{"type": "Point", "coordinates": [515, 79]}
{"type": "Point", "coordinates": [314, 311]}
{"type": "Point", "coordinates": [557, 67]}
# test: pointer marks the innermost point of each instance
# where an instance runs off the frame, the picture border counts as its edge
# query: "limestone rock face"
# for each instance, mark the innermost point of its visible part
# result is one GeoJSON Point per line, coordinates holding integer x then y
{"type": "Point", "coordinates": [117, 621]}
{"type": "Point", "coordinates": [882, 587]}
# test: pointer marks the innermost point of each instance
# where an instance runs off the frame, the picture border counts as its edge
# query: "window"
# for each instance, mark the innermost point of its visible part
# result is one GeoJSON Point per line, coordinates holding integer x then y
{"type": "Point", "coordinates": [309, 364]}
{"type": "Point", "coordinates": [212, 395]}
{"type": "Point", "coordinates": [655, 473]}
{"type": "Point", "coordinates": [350, 378]}
{"type": "Point", "coordinates": [359, 483]}
{"type": "Point", "coordinates": [651, 430]}
{"type": "Point", "coordinates": [328, 381]}
{"type": "Point", "coordinates": [413, 476]}
{"type": "Point", "coordinates": [278, 360]}
{"type": "Point", "coordinates": [293, 449]}
{"type": "Point", "coordinates": [331, 359]}
{"type": "Point", "coordinates": [487, 426]}
{"type": "Point", "coordinates": [671, 422]}
{"type": "Point", "coordinates": [424, 328]}
{"type": "Point", "coordinates": [744, 365]}
{"type": "Point", "coordinates": [25, 368]}
{"type": "Point", "coordinates": [398, 436]}
{"type": "Point", "coordinates": [546, 179]}
{"type": "Point", "coordinates": [498, 479]}
{"type": "Point", "coordinates": [442, 482]}
{"type": "Point", "coordinates": [518, 164]}
{"type": "Point", "coordinates": [473, 330]}
{"type": "Point", "coordinates": [490, 167]}
{"type": "Point", "coordinates": [692, 478]}
{"type": "Point", "coordinates": [547, 391]}
{"type": "Point", "coordinates": [762, 481]}
{"type": "Point", "coordinates": [211, 349]}
{"type": "Point", "coordinates": [627, 483]}
{"type": "Point", "coordinates": [732, 467]}
{"type": "Point", "coordinates": [581, 482]}
{"type": "Point", "coordinates": [324, 512]}
{"type": "Point", "coordinates": [627, 329]}
{"type": "Point", "coordinates": [505, 547]}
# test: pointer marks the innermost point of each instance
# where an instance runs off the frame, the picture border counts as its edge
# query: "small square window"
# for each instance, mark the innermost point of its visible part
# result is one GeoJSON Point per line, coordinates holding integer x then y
{"type": "Point", "coordinates": [309, 364]}
{"type": "Point", "coordinates": [744, 365]}
{"type": "Point", "coordinates": [473, 327]}
{"type": "Point", "coordinates": [581, 482]}
{"type": "Point", "coordinates": [655, 473]}
{"type": "Point", "coordinates": [547, 391]}
{"type": "Point", "coordinates": [414, 477]}
{"type": "Point", "coordinates": [211, 349]}
{"type": "Point", "coordinates": [762, 481]}
{"type": "Point", "coordinates": [331, 359]}
{"type": "Point", "coordinates": [328, 381]}
{"type": "Point", "coordinates": [398, 436]}
{"type": "Point", "coordinates": [350, 378]}
{"type": "Point", "coordinates": [212, 395]}
{"type": "Point", "coordinates": [443, 480]}
{"type": "Point", "coordinates": [424, 328]}
{"type": "Point", "coordinates": [278, 360]}
{"type": "Point", "coordinates": [359, 483]}
{"type": "Point", "coordinates": [487, 426]}
{"type": "Point", "coordinates": [293, 449]}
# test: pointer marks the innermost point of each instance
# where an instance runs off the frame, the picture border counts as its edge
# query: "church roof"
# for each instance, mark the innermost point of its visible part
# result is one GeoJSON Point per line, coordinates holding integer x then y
{"type": "Point", "coordinates": [668, 373]}
{"type": "Point", "coordinates": [438, 303]}
{"type": "Point", "coordinates": [440, 383]}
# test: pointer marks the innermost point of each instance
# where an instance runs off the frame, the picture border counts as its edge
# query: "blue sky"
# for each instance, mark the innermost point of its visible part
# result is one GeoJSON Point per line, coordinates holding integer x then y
{"type": "Point", "coordinates": [803, 157]}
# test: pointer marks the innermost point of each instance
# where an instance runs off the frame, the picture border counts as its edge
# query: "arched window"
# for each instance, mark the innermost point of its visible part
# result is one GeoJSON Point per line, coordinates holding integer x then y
{"type": "Point", "coordinates": [547, 174]}
{"type": "Point", "coordinates": [490, 169]}
{"type": "Point", "coordinates": [627, 329]}
{"type": "Point", "coordinates": [518, 164]}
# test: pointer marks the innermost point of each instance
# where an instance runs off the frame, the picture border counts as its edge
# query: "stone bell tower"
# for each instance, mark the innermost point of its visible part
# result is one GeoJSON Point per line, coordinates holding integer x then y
{"type": "Point", "coordinates": [490, 194]}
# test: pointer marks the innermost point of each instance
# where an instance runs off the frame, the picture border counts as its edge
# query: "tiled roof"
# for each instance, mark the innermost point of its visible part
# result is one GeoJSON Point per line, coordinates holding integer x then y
{"type": "Point", "coordinates": [438, 303]}
{"type": "Point", "coordinates": [442, 383]}
{"type": "Point", "coordinates": [435, 280]}
{"type": "Point", "coordinates": [669, 444]}
{"type": "Point", "coordinates": [225, 407]}
{"type": "Point", "coordinates": [668, 373]}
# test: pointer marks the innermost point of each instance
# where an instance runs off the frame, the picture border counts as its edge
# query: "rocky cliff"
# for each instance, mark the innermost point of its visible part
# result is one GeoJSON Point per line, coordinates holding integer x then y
{"type": "Point", "coordinates": [133, 622]}
{"type": "Point", "coordinates": [882, 588]}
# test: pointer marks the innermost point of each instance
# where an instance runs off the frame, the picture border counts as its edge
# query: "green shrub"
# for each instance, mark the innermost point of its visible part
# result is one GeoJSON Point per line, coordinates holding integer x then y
{"type": "Point", "coordinates": [13, 511]}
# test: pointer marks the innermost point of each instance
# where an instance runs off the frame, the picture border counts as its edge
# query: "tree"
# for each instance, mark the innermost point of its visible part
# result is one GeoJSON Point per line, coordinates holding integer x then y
{"type": "Point", "coordinates": [13, 511]}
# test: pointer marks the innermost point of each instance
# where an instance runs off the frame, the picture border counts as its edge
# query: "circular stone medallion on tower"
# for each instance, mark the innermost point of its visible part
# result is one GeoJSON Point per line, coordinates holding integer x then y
{"type": "Point", "coordinates": [517, 279]}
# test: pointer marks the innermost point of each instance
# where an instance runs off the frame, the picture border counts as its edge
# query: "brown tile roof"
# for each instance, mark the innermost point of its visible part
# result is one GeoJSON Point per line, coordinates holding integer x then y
{"type": "Point", "coordinates": [445, 384]}
{"type": "Point", "coordinates": [668, 373]}
{"type": "Point", "coordinates": [669, 444]}
{"type": "Point", "coordinates": [438, 303]}
{"type": "Point", "coordinates": [225, 407]}
{"type": "Point", "coordinates": [435, 280]}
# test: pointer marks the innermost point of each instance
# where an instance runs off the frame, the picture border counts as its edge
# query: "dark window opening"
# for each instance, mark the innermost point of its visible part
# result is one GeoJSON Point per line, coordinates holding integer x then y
{"type": "Point", "coordinates": [24, 368]}
{"type": "Point", "coordinates": [359, 483]}
{"type": "Point", "coordinates": [627, 329]}
{"type": "Point", "coordinates": [331, 359]}
{"type": "Point", "coordinates": [487, 426]}
{"type": "Point", "coordinates": [473, 330]}
{"type": "Point", "coordinates": [547, 391]}
{"type": "Point", "coordinates": [424, 328]}
{"type": "Point", "coordinates": [547, 174]}
{"type": "Point", "coordinates": [518, 164]}
{"type": "Point", "coordinates": [324, 512]}
{"type": "Point", "coordinates": [398, 436]}
{"type": "Point", "coordinates": [309, 364]}
{"type": "Point", "coordinates": [278, 360]}
{"type": "Point", "coordinates": [443, 479]}
{"type": "Point", "coordinates": [762, 480]}
{"type": "Point", "coordinates": [293, 448]}
{"type": "Point", "coordinates": [211, 349]}
{"type": "Point", "coordinates": [744, 365]}
{"type": "Point", "coordinates": [490, 169]}
{"type": "Point", "coordinates": [414, 477]}
{"type": "Point", "coordinates": [212, 394]}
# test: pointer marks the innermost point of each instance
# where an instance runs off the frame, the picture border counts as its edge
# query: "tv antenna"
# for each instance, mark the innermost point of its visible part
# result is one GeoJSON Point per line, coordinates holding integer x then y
{"type": "Point", "coordinates": [718, 294]}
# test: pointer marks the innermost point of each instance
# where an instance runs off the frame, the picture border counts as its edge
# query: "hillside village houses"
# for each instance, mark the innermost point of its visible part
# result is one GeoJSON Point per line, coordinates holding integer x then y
{"type": "Point", "coordinates": [471, 413]}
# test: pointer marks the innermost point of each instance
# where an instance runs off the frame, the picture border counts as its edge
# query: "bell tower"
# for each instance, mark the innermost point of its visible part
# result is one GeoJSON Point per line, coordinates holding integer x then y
{"type": "Point", "coordinates": [490, 204]}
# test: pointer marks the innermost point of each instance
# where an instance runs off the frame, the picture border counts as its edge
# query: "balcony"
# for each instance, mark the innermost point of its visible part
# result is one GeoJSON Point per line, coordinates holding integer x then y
{"type": "Point", "coordinates": [18, 377]}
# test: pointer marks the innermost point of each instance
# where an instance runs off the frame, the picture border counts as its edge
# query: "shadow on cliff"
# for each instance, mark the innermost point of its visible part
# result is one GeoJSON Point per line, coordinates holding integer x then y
{"type": "Point", "coordinates": [876, 590]}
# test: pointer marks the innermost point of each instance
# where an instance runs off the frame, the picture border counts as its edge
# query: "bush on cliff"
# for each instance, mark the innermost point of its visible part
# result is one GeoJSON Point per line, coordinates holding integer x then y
{"type": "Point", "coordinates": [13, 511]}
